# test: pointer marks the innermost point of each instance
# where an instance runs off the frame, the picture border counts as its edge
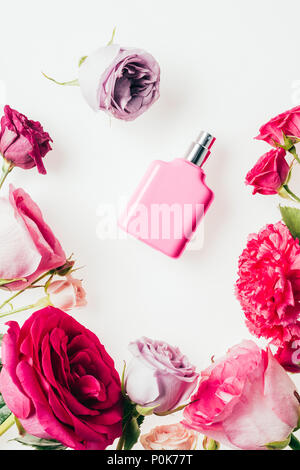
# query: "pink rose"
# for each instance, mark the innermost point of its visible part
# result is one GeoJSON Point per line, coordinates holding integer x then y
{"type": "Point", "coordinates": [169, 437]}
{"type": "Point", "coordinates": [24, 143]}
{"type": "Point", "coordinates": [288, 355]}
{"type": "Point", "coordinates": [60, 382]}
{"type": "Point", "coordinates": [158, 375]}
{"type": "Point", "coordinates": [268, 287]}
{"type": "Point", "coordinates": [244, 400]}
{"type": "Point", "coordinates": [269, 173]}
{"type": "Point", "coordinates": [28, 247]}
{"type": "Point", "coordinates": [123, 82]}
{"type": "Point", "coordinates": [67, 293]}
{"type": "Point", "coordinates": [287, 123]}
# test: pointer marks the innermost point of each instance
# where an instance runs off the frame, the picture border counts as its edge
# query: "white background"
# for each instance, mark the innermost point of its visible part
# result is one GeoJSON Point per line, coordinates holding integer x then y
{"type": "Point", "coordinates": [226, 67]}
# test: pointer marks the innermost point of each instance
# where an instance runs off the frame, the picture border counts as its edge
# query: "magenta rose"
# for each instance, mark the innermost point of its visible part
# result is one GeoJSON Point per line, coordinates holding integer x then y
{"type": "Point", "coordinates": [123, 82]}
{"type": "Point", "coordinates": [58, 379]}
{"type": "Point", "coordinates": [159, 375]}
{"type": "Point", "coordinates": [268, 287]}
{"type": "Point", "coordinates": [287, 124]}
{"type": "Point", "coordinates": [288, 355]}
{"type": "Point", "coordinates": [269, 173]}
{"type": "Point", "coordinates": [28, 247]}
{"type": "Point", "coordinates": [23, 142]}
{"type": "Point", "coordinates": [245, 400]}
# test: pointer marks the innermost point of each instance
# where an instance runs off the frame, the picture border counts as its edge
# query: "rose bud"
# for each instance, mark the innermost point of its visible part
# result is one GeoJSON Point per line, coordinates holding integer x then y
{"type": "Point", "coordinates": [60, 382]}
{"type": "Point", "coordinates": [245, 400]}
{"type": "Point", "coordinates": [269, 173]}
{"type": "Point", "coordinates": [210, 444]}
{"type": "Point", "coordinates": [67, 293]}
{"type": "Point", "coordinates": [123, 82]}
{"type": "Point", "coordinates": [288, 355]}
{"type": "Point", "coordinates": [23, 142]}
{"type": "Point", "coordinates": [169, 437]}
{"type": "Point", "coordinates": [159, 375]}
{"type": "Point", "coordinates": [285, 124]}
{"type": "Point", "coordinates": [28, 247]}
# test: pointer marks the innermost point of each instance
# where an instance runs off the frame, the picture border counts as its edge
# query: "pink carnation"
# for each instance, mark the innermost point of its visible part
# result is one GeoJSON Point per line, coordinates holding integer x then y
{"type": "Point", "coordinates": [268, 287]}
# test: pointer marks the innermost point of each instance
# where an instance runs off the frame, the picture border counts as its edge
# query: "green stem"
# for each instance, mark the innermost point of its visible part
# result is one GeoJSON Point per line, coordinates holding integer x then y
{"type": "Point", "coordinates": [112, 37]}
{"type": "Point", "coordinates": [7, 301]}
{"type": "Point", "coordinates": [74, 82]}
{"type": "Point", "coordinates": [6, 169]}
{"type": "Point", "coordinates": [17, 310]}
{"type": "Point", "coordinates": [8, 423]}
{"type": "Point", "coordinates": [120, 443]}
{"type": "Point", "coordinates": [296, 198]}
{"type": "Point", "coordinates": [294, 443]}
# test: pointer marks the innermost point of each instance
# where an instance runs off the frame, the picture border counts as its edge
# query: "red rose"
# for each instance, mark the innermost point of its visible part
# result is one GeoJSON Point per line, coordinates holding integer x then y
{"type": "Point", "coordinates": [269, 173]}
{"type": "Point", "coordinates": [24, 143]}
{"type": "Point", "coordinates": [60, 382]}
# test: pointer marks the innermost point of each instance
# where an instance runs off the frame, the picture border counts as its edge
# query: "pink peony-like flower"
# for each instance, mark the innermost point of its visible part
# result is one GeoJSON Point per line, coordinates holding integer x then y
{"type": "Point", "coordinates": [287, 123]}
{"type": "Point", "coordinates": [28, 247]}
{"type": "Point", "coordinates": [23, 142]}
{"type": "Point", "coordinates": [123, 82]}
{"type": "Point", "coordinates": [159, 375]}
{"type": "Point", "coordinates": [169, 437]}
{"type": "Point", "coordinates": [67, 293]}
{"type": "Point", "coordinates": [268, 287]}
{"type": "Point", "coordinates": [245, 400]}
{"type": "Point", "coordinates": [58, 379]}
{"type": "Point", "coordinates": [269, 173]}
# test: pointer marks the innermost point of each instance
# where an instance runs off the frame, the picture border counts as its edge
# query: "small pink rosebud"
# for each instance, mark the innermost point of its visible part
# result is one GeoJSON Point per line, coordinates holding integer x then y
{"type": "Point", "coordinates": [67, 293]}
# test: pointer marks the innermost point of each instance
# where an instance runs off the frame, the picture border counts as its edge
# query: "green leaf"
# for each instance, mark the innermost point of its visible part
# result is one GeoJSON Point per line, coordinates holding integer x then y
{"type": "Point", "coordinates": [39, 444]}
{"type": "Point", "coordinates": [4, 410]}
{"type": "Point", "coordinates": [81, 60]}
{"type": "Point", "coordinates": [279, 445]}
{"type": "Point", "coordinates": [131, 434]}
{"type": "Point", "coordinates": [291, 218]}
{"type": "Point", "coordinates": [145, 410]}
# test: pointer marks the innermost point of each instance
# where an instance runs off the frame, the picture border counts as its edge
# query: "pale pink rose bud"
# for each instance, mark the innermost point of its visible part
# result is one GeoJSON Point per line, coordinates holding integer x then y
{"type": "Point", "coordinates": [159, 375]}
{"type": "Point", "coordinates": [169, 437]}
{"type": "Point", "coordinates": [67, 293]}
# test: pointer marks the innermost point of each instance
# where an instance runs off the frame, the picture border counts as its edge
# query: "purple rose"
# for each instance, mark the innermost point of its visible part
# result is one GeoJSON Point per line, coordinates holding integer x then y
{"type": "Point", "coordinates": [24, 143]}
{"type": "Point", "coordinates": [123, 82]}
{"type": "Point", "coordinates": [159, 374]}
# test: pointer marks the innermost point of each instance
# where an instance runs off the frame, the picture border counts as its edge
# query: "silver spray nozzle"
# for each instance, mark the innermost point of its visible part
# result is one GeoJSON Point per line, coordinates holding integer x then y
{"type": "Point", "coordinates": [199, 150]}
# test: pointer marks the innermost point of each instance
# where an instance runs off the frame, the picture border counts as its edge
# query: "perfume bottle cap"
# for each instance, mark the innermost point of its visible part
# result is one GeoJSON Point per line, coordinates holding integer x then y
{"type": "Point", "coordinates": [199, 150]}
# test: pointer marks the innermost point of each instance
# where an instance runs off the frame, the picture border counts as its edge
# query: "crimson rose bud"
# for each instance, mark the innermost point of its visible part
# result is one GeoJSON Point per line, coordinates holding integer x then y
{"type": "Point", "coordinates": [288, 355]}
{"type": "Point", "coordinates": [23, 142]}
{"type": "Point", "coordinates": [269, 173]}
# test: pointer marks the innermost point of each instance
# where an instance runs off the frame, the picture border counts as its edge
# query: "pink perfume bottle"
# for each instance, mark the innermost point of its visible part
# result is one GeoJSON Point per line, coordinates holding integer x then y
{"type": "Point", "coordinates": [170, 200]}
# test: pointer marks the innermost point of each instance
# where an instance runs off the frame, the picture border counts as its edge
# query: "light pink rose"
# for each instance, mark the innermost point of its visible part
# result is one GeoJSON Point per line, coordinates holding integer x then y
{"type": "Point", "coordinates": [28, 247]}
{"type": "Point", "coordinates": [269, 173]}
{"type": "Point", "coordinates": [245, 400]}
{"type": "Point", "coordinates": [159, 375]}
{"type": "Point", "coordinates": [123, 82]}
{"type": "Point", "coordinates": [287, 123]}
{"type": "Point", "coordinates": [67, 293]}
{"type": "Point", "coordinates": [169, 437]}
